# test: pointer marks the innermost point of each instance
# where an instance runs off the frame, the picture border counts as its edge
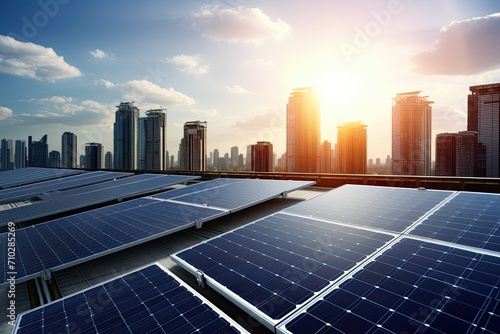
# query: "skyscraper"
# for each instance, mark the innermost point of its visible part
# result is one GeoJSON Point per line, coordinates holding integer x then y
{"type": "Point", "coordinates": [20, 154]}
{"type": "Point", "coordinates": [194, 146]}
{"type": "Point", "coordinates": [7, 157]}
{"type": "Point", "coordinates": [125, 141]}
{"type": "Point", "coordinates": [303, 131]}
{"type": "Point", "coordinates": [54, 159]}
{"type": "Point", "coordinates": [483, 116]}
{"type": "Point", "coordinates": [216, 159]}
{"type": "Point", "coordinates": [326, 157]}
{"type": "Point", "coordinates": [108, 160]}
{"type": "Point", "coordinates": [68, 150]}
{"type": "Point", "coordinates": [152, 140]}
{"type": "Point", "coordinates": [262, 157]}
{"type": "Point", "coordinates": [457, 154]}
{"type": "Point", "coordinates": [93, 156]}
{"type": "Point", "coordinates": [351, 148]}
{"type": "Point", "coordinates": [38, 152]}
{"type": "Point", "coordinates": [234, 157]}
{"type": "Point", "coordinates": [411, 134]}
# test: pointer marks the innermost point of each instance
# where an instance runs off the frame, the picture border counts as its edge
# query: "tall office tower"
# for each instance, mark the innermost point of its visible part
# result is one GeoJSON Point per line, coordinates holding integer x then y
{"type": "Point", "coordinates": [7, 156]}
{"type": "Point", "coordinates": [483, 116]}
{"type": "Point", "coordinates": [303, 131]}
{"type": "Point", "coordinates": [456, 154]}
{"type": "Point", "coordinates": [262, 157]}
{"type": "Point", "coordinates": [108, 160]}
{"type": "Point", "coordinates": [234, 157]}
{"type": "Point", "coordinates": [82, 161]}
{"type": "Point", "coordinates": [216, 159]}
{"type": "Point", "coordinates": [153, 140]}
{"type": "Point", "coordinates": [68, 150]}
{"type": "Point", "coordinates": [20, 154]}
{"type": "Point", "coordinates": [194, 146]}
{"type": "Point", "coordinates": [241, 162]}
{"type": "Point", "coordinates": [54, 159]}
{"type": "Point", "coordinates": [326, 157]}
{"type": "Point", "coordinates": [248, 158]}
{"type": "Point", "coordinates": [377, 162]}
{"type": "Point", "coordinates": [227, 161]}
{"type": "Point", "coordinates": [39, 152]}
{"type": "Point", "coordinates": [167, 160]}
{"type": "Point", "coordinates": [411, 134]}
{"type": "Point", "coordinates": [126, 140]}
{"type": "Point", "coordinates": [93, 156]}
{"type": "Point", "coordinates": [351, 148]}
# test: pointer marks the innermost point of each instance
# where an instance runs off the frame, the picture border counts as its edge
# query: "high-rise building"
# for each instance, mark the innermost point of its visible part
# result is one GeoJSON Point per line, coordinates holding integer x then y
{"type": "Point", "coordinates": [234, 157]}
{"type": "Point", "coordinates": [68, 150]}
{"type": "Point", "coordinates": [93, 156]}
{"type": "Point", "coordinates": [216, 159]}
{"type": "Point", "coordinates": [351, 148]}
{"type": "Point", "coordinates": [248, 158]}
{"type": "Point", "coordinates": [108, 160]}
{"type": "Point", "coordinates": [152, 140]}
{"type": "Point", "coordinates": [126, 141]}
{"type": "Point", "coordinates": [303, 131]}
{"type": "Point", "coordinates": [7, 156]}
{"type": "Point", "coordinates": [456, 154]}
{"type": "Point", "coordinates": [326, 157]}
{"type": "Point", "coordinates": [38, 152]}
{"type": "Point", "coordinates": [82, 161]}
{"type": "Point", "coordinates": [54, 159]}
{"type": "Point", "coordinates": [483, 117]}
{"type": "Point", "coordinates": [411, 134]}
{"type": "Point", "coordinates": [262, 157]}
{"type": "Point", "coordinates": [194, 146]}
{"type": "Point", "coordinates": [20, 154]}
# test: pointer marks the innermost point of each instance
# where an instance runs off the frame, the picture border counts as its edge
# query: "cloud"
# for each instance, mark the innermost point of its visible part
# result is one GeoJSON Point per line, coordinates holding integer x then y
{"type": "Point", "coordinates": [235, 89]}
{"type": "Point", "coordinates": [260, 61]}
{"type": "Point", "coordinates": [146, 92]}
{"type": "Point", "coordinates": [106, 83]}
{"type": "Point", "coordinates": [448, 119]}
{"type": "Point", "coordinates": [29, 60]}
{"type": "Point", "coordinates": [238, 24]}
{"type": "Point", "coordinates": [189, 64]}
{"type": "Point", "coordinates": [100, 54]}
{"type": "Point", "coordinates": [50, 100]}
{"type": "Point", "coordinates": [463, 48]}
{"type": "Point", "coordinates": [209, 112]}
{"type": "Point", "coordinates": [5, 112]}
{"type": "Point", "coordinates": [273, 120]}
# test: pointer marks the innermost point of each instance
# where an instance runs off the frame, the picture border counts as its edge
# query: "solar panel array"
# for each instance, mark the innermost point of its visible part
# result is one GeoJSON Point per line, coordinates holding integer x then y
{"type": "Point", "coordinates": [363, 259]}
{"type": "Point", "coordinates": [67, 241]}
{"type": "Point", "coordinates": [22, 176]}
{"type": "Point", "coordinates": [148, 300]}
{"type": "Point", "coordinates": [72, 199]}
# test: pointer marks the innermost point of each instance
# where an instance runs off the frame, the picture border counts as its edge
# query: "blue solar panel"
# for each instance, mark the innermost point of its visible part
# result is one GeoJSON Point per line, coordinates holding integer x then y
{"type": "Point", "coordinates": [413, 287]}
{"type": "Point", "coordinates": [213, 185]}
{"type": "Point", "coordinates": [21, 176]}
{"type": "Point", "coordinates": [64, 242]}
{"type": "Point", "coordinates": [278, 263]}
{"type": "Point", "coordinates": [149, 300]}
{"type": "Point", "coordinates": [471, 219]}
{"type": "Point", "coordinates": [393, 209]}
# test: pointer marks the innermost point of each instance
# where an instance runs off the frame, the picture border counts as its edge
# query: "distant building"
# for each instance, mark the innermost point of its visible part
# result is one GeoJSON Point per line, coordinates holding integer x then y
{"type": "Point", "coordinates": [38, 152]}
{"type": "Point", "coordinates": [93, 156]}
{"type": "Point", "coordinates": [68, 150]}
{"type": "Point", "coordinates": [153, 140]}
{"type": "Point", "coordinates": [351, 148]}
{"type": "Point", "coordinates": [125, 140]}
{"type": "Point", "coordinates": [20, 154]}
{"type": "Point", "coordinates": [483, 117]}
{"type": "Point", "coordinates": [54, 159]}
{"type": "Point", "coordinates": [456, 154]}
{"type": "Point", "coordinates": [234, 157]}
{"type": "Point", "coordinates": [194, 146]}
{"type": "Point", "coordinates": [303, 131]}
{"type": "Point", "coordinates": [377, 162]}
{"type": "Point", "coordinates": [248, 158]}
{"type": "Point", "coordinates": [108, 160]}
{"type": "Point", "coordinates": [262, 157]}
{"type": "Point", "coordinates": [7, 156]}
{"type": "Point", "coordinates": [326, 157]}
{"type": "Point", "coordinates": [82, 161]}
{"type": "Point", "coordinates": [411, 134]}
{"type": "Point", "coordinates": [216, 159]}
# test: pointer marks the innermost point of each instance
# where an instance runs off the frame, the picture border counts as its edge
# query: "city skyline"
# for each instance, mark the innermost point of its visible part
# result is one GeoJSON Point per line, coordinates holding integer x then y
{"type": "Point", "coordinates": [361, 54]}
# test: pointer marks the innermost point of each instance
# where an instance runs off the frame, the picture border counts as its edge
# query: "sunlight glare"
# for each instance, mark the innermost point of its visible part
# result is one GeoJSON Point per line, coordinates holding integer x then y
{"type": "Point", "coordinates": [337, 88]}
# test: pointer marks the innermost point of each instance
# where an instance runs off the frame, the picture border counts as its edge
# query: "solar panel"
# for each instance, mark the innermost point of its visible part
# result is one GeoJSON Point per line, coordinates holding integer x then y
{"type": "Point", "coordinates": [272, 266]}
{"type": "Point", "coordinates": [21, 176]}
{"type": "Point", "coordinates": [81, 197]}
{"type": "Point", "coordinates": [413, 287]}
{"type": "Point", "coordinates": [149, 300]}
{"type": "Point", "coordinates": [471, 219]}
{"type": "Point", "coordinates": [212, 185]}
{"type": "Point", "coordinates": [392, 209]}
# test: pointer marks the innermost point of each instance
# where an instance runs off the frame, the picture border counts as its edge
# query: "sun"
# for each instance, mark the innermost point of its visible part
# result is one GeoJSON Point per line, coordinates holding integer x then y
{"type": "Point", "coordinates": [337, 88]}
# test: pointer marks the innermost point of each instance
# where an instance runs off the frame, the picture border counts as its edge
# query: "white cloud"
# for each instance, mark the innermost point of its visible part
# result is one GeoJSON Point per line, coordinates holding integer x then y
{"type": "Point", "coordinates": [189, 64]}
{"type": "Point", "coordinates": [53, 99]}
{"type": "Point", "coordinates": [100, 54]}
{"type": "Point", "coordinates": [235, 89]}
{"type": "Point", "coordinates": [29, 60]}
{"type": "Point", "coordinates": [146, 92]}
{"type": "Point", "coordinates": [209, 112]}
{"type": "Point", "coordinates": [5, 112]}
{"type": "Point", "coordinates": [463, 48]}
{"type": "Point", "coordinates": [106, 83]}
{"type": "Point", "coordinates": [238, 24]}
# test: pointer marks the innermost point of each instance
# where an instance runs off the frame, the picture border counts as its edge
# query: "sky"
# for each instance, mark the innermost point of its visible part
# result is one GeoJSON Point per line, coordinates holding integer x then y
{"type": "Point", "coordinates": [66, 64]}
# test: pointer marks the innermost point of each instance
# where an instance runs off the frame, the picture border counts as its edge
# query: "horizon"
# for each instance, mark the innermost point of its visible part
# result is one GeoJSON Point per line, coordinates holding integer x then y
{"type": "Point", "coordinates": [65, 65]}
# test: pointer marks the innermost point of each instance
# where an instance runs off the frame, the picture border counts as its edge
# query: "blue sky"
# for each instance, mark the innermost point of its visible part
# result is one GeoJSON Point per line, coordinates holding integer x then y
{"type": "Point", "coordinates": [66, 64]}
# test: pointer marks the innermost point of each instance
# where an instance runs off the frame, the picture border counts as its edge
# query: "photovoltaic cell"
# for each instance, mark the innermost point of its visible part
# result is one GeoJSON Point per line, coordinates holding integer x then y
{"type": "Point", "coordinates": [277, 263]}
{"type": "Point", "coordinates": [471, 219]}
{"type": "Point", "coordinates": [393, 209]}
{"type": "Point", "coordinates": [149, 300]}
{"type": "Point", "coordinates": [21, 176]}
{"type": "Point", "coordinates": [413, 287]}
